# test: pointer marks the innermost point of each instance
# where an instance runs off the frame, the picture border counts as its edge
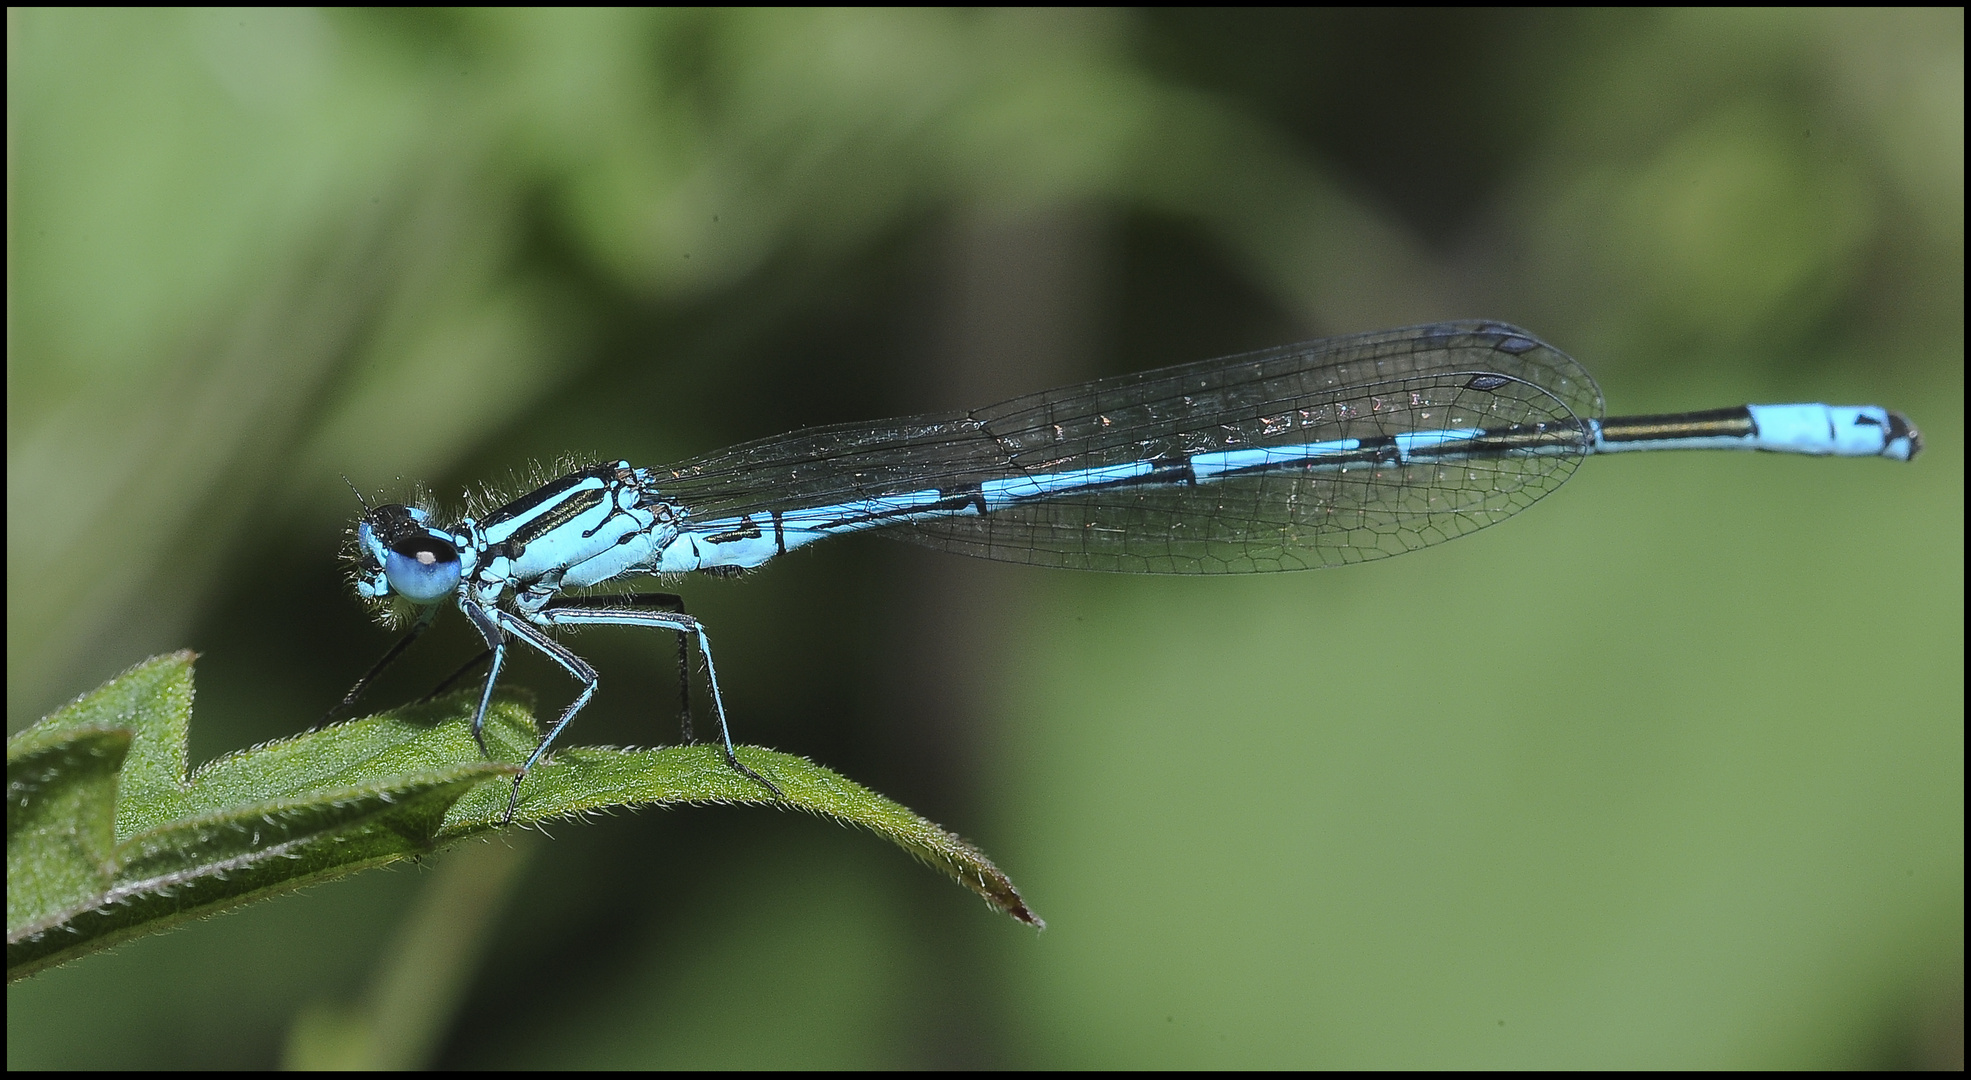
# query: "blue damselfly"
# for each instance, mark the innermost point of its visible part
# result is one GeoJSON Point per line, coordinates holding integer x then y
{"type": "Point", "coordinates": [1319, 454]}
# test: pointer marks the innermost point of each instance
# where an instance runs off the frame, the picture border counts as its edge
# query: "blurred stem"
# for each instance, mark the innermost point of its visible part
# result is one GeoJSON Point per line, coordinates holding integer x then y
{"type": "Point", "coordinates": [423, 975]}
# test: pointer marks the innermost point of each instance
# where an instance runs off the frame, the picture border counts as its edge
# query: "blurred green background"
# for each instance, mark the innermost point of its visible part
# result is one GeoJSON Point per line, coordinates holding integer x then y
{"type": "Point", "coordinates": [1666, 772]}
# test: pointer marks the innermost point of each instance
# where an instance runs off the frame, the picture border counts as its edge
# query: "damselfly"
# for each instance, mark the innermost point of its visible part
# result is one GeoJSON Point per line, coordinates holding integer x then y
{"type": "Point", "coordinates": [1330, 452]}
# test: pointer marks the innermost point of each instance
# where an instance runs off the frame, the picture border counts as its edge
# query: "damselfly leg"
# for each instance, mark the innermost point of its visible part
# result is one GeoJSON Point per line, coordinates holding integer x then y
{"type": "Point", "coordinates": [417, 630]}
{"type": "Point", "coordinates": [660, 601]}
{"type": "Point", "coordinates": [495, 624]}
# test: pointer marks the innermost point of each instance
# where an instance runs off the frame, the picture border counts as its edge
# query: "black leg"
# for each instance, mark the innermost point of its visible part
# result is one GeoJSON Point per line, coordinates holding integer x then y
{"type": "Point", "coordinates": [362, 684]}
{"type": "Point", "coordinates": [601, 613]}
{"type": "Point", "coordinates": [455, 676]}
{"type": "Point", "coordinates": [684, 683]}
{"type": "Point", "coordinates": [662, 602]}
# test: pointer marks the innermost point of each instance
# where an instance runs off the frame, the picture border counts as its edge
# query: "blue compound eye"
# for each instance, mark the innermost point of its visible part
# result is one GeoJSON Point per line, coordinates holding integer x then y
{"type": "Point", "coordinates": [422, 569]}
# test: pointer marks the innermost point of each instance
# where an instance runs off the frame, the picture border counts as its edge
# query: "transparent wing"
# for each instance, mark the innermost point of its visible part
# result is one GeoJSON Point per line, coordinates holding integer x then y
{"type": "Point", "coordinates": [1444, 376]}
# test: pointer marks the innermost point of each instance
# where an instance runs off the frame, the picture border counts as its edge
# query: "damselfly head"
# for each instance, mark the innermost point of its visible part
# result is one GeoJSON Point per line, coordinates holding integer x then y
{"type": "Point", "coordinates": [399, 559]}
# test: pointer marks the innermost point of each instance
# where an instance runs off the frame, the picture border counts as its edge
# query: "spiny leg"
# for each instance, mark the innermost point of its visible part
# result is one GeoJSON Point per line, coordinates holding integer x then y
{"type": "Point", "coordinates": [668, 602]}
{"type": "Point", "coordinates": [627, 616]}
{"type": "Point", "coordinates": [424, 620]}
{"type": "Point", "coordinates": [573, 665]}
{"type": "Point", "coordinates": [718, 710]}
{"type": "Point", "coordinates": [452, 679]}
{"type": "Point", "coordinates": [488, 624]}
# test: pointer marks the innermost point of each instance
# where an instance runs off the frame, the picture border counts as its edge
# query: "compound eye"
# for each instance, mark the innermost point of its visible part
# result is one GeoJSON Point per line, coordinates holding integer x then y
{"type": "Point", "coordinates": [422, 569]}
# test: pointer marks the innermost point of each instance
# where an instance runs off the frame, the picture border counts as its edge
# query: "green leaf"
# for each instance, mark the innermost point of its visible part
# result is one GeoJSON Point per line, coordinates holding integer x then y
{"type": "Point", "coordinates": [108, 839]}
{"type": "Point", "coordinates": [61, 791]}
{"type": "Point", "coordinates": [587, 778]}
